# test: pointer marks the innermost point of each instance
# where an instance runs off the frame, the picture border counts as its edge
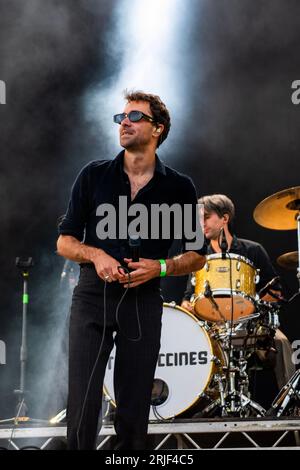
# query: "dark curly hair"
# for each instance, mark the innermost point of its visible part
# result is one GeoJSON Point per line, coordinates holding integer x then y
{"type": "Point", "coordinates": [158, 108]}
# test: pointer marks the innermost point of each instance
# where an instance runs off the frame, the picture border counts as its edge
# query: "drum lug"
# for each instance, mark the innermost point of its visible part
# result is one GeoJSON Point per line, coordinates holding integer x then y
{"type": "Point", "coordinates": [257, 277]}
{"type": "Point", "coordinates": [216, 360]}
{"type": "Point", "coordinates": [238, 265]}
{"type": "Point", "coordinates": [203, 324]}
{"type": "Point", "coordinates": [206, 267]}
{"type": "Point", "coordinates": [238, 283]}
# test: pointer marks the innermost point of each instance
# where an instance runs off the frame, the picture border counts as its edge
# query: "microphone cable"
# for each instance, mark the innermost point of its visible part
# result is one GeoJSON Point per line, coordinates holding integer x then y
{"type": "Point", "coordinates": [139, 337]}
{"type": "Point", "coordinates": [225, 253]}
{"type": "Point", "coordinates": [230, 358]}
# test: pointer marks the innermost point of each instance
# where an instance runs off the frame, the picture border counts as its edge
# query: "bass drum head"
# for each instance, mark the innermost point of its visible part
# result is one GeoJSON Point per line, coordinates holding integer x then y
{"type": "Point", "coordinates": [184, 368]}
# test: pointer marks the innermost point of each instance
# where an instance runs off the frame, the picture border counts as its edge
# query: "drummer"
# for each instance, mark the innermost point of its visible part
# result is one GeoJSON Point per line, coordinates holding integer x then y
{"type": "Point", "coordinates": [219, 212]}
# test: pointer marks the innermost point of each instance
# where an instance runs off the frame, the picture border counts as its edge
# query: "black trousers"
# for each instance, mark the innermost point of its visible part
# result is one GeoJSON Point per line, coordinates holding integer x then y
{"type": "Point", "coordinates": [135, 361]}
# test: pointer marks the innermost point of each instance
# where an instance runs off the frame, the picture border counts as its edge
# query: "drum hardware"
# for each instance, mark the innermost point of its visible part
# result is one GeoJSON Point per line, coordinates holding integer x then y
{"type": "Point", "coordinates": [107, 414]}
{"type": "Point", "coordinates": [208, 294]}
{"type": "Point", "coordinates": [216, 360]}
{"type": "Point", "coordinates": [239, 341]}
{"type": "Point", "coordinates": [267, 288]}
{"type": "Point", "coordinates": [204, 324]}
{"type": "Point", "coordinates": [290, 392]}
{"type": "Point", "coordinates": [247, 319]}
{"type": "Point", "coordinates": [233, 398]}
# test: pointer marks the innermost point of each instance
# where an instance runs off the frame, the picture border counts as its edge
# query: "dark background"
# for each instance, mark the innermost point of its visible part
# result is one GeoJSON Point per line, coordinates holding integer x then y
{"type": "Point", "coordinates": [240, 135]}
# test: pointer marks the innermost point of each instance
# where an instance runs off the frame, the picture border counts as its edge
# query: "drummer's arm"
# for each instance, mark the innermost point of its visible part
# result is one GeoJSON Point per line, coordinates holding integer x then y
{"type": "Point", "coordinates": [269, 298]}
{"type": "Point", "coordinates": [189, 291]}
{"type": "Point", "coordinates": [264, 263]}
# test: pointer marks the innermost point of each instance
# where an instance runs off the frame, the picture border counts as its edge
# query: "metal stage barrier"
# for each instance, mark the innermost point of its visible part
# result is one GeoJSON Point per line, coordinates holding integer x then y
{"type": "Point", "coordinates": [182, 434]}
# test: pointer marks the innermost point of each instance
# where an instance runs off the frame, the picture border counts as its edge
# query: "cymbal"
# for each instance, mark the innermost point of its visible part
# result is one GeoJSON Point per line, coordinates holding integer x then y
{"type": "Point", "coordinates": [279, 211]}
{"type": "Point", "coordinates": [288, 260]}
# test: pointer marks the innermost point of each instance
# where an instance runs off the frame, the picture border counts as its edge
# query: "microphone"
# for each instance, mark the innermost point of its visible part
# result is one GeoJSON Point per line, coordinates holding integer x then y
{"type": "Point", "coordinates": [135, 245]}
{"type": "Point", "coordinates": [224, 244]}
{"type": "Point", "coordinates": [268, 286]}
{"type": "Point", "coordinates": [208, 294]}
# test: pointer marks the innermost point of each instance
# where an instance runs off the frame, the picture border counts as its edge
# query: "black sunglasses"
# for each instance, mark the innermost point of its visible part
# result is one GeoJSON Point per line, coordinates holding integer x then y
{"type": "Point", "coordinates": [133, 116]}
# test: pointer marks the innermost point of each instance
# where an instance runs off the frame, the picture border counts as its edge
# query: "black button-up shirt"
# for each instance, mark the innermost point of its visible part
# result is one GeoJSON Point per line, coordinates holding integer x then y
{"type": "Point", "coordinates": [255, 253]}
{"type": "Point", "coordinates": [103, 182]}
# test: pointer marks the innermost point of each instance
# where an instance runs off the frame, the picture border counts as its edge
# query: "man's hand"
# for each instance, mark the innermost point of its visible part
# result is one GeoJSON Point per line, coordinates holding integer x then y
{"type": "Point", "coordinates": [143, 271]}
{"type": "Point", "coordinates": [107, 267]}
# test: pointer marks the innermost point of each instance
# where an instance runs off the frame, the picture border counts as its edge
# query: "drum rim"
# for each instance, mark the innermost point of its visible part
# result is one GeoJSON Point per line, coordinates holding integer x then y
{"type": "Point", "coordinates": [229, 256]}
{"type": "Point", "coordinates": [233, 294]}
{"type": "Point", "coordinates": [228, 293]}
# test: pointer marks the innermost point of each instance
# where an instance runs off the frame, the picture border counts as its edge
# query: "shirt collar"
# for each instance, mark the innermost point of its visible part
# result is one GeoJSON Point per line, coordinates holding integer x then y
{"type": "Point", "coordinates": [159, 166]}
{"type": "Point", "coordinates": [234, 245]}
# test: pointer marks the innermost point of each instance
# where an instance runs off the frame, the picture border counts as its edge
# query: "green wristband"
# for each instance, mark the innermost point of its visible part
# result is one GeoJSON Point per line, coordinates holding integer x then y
{"type": "Point", "coordinates": [163, 267]}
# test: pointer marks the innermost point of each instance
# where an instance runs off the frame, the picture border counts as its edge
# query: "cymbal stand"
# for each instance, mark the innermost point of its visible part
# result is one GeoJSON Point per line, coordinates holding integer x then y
{"type": "Point", "coordinates": [289, 391]}
{"type": "Point", "coordinates": [298, 235]}
{"type": "Point", "coordinates": [238, 385]}
{"type": "Point", "coordinates": [298, 267]}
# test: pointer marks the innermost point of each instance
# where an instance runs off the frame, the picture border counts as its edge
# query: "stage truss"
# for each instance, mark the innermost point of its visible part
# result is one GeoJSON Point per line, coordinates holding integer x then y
{"type": "Point", "coordinates": [208, 434]}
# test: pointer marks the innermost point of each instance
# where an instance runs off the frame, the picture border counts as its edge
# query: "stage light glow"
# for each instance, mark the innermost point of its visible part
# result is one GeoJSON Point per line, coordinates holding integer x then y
{"type": "Point", "coordinates": [149, 36]}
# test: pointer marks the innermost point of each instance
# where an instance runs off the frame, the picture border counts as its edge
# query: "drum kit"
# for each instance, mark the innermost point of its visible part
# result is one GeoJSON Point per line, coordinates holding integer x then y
{"type": "Point", "coordinates": [202, 367]}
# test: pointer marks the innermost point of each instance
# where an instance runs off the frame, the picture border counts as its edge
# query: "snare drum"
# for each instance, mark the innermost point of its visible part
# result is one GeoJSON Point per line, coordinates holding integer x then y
{"type": "Point", "coordinates": [223, 285]}
{"type": "Point", "coordinates": [188, 360]}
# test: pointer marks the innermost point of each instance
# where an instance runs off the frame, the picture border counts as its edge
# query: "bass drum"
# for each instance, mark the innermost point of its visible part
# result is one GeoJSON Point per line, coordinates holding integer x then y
{"type": "Point", "coordinates": [187, 362]}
